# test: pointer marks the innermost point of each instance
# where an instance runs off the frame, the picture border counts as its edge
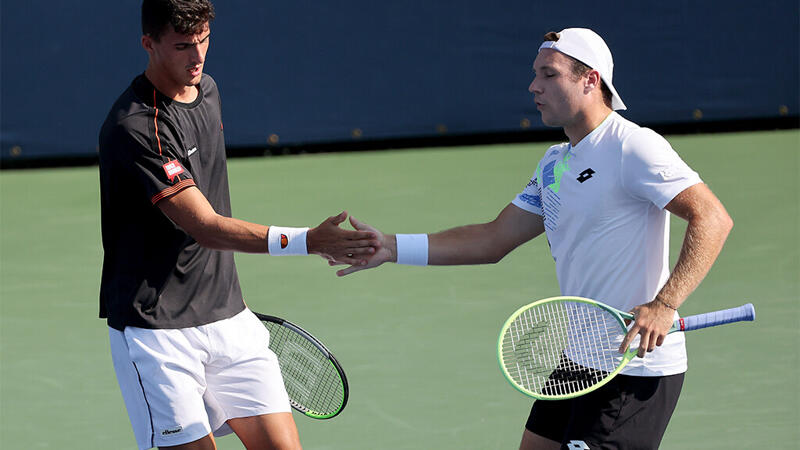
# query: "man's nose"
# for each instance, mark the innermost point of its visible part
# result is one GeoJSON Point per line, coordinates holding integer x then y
{"type": "Point", "coordinates": [197, 55]}
{"type": "Point", "coordinates": [533, 87]}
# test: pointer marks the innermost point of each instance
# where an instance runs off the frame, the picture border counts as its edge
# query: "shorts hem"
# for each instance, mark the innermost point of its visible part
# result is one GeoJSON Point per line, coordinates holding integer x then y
{"type": "Point", "coordinates": [224, 429]}
{"type": "Point", "coordinates": [190, 434]}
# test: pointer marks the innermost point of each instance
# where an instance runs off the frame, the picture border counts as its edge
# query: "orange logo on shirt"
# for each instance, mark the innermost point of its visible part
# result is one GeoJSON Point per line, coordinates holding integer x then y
{"type": "Point", "coordinates": [173, 169]}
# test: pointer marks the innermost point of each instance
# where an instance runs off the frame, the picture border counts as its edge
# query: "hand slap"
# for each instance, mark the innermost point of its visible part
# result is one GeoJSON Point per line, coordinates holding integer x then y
{"type": "Point", "coordinates": [340, 245]}
{"type": "Point", "coordinates": [382, 254]}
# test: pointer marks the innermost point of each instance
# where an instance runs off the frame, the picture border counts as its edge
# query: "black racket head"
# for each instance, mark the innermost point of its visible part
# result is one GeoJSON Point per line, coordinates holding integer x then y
{"type": "Point", "coordinates": [314, 379]}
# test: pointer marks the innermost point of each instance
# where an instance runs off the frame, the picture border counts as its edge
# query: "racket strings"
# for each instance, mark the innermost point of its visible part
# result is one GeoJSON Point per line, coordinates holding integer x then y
{"type": "Point", "coordinates": [586, 348]}
{"type": "Point", "coordinates": [561, 348]}
{"type": "Point", "coordinates": [312, 381]}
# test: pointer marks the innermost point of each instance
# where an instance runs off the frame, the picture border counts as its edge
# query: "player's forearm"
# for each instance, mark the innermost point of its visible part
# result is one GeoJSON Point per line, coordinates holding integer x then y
{"type": "Point", "coordinates": [190, 210]}
{"type": "Point", "coordinates": [704, 239]}
{"type": "Point", "coordinates": [227, 233]}
{"type": "Point", "coordinates": [469, 244]}
{"type": "Point", "coordinates": [484, 243]}
{"type": "Point", "coordinates": [456, 246]}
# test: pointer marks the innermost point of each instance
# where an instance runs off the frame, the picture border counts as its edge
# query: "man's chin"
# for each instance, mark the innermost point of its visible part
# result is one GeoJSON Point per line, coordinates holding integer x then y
{"type": "Point", "coordinates": [549, 122]}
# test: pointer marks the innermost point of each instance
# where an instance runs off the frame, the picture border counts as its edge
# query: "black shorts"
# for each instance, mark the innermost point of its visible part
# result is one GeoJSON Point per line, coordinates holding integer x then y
{"type": "Point", "coordinates": [627, 413]}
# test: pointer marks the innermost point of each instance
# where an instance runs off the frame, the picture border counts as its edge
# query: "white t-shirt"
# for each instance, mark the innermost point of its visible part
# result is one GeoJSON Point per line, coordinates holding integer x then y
{"type": "Point", "coordinates": [603, 207]}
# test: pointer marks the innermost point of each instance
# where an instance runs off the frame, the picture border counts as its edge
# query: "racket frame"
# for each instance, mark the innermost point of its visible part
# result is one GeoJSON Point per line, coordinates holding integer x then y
{"type": "Point", "coordinates": [626, 357]}
{"type": "Point", "coordinates": [324, 350]}
{"type": "Point", "coordinates": [742, 313]}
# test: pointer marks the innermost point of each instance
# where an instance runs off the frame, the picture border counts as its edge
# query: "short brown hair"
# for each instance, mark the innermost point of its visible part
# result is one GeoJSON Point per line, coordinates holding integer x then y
{"type": "Point", "coordinates": [580, 69]}
{"type": "Point", "coordinates": [185, 16]}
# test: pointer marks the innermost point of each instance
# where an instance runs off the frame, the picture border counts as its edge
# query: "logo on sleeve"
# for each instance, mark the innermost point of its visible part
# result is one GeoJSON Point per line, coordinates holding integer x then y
{"type": "Point", "coordinates": [284, 241]}
{"type": "Point", "coordinates": [173, 169]}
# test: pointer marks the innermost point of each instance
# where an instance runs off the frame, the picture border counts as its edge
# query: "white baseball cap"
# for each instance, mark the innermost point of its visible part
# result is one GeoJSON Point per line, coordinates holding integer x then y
{"type": "Point", "coordinates": [589, 48]}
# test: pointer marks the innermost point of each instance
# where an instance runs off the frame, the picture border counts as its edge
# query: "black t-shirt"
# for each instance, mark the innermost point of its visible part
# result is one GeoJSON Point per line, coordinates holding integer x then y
{"type": "Point", "coordinates": [154, 274]}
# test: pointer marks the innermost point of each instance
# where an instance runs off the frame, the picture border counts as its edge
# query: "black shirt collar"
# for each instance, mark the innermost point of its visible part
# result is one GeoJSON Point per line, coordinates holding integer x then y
{"type": "Point", "coordinates": [148, 93]}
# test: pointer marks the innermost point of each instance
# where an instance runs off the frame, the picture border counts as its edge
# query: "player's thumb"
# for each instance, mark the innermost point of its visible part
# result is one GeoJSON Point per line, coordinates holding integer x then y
{"type": "Point", "coordinates": [336, 220]}
{"type": "Point", "coordinates": [359, 225]}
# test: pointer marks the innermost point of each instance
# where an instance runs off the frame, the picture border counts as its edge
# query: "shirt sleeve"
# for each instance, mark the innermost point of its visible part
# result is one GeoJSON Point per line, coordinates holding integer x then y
{"type": "Point", "coordinates": [651, 170]}
{"type": "Point", "coordinates": [530, 199]}
{"type": "Point", "coordinates": [156, 165]}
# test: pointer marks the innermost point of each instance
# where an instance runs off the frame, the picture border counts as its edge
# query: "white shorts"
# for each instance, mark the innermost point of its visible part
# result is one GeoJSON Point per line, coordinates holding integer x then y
{"type": "Point", "coordinates": [181, 384]}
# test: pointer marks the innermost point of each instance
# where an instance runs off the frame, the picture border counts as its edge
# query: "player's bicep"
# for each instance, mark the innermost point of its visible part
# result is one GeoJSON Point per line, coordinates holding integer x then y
{"type": "Point", "coordinates": [515, 226]}
{"type": "Point", "coordinates": [701, 208]}
{"type": "Point", "coordinates": [484, 243]}
{"type": "Point", "coordinates": [693, 201]}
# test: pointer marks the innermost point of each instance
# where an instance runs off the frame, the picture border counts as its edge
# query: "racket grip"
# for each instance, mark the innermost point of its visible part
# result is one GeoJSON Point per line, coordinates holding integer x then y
{"type": "Point", "coordinates": [711, 319]}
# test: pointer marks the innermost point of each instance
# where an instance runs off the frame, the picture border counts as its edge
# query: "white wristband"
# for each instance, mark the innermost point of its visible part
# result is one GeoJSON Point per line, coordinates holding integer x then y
{"type": "Point", "coordinates": [412, 249]}
{"type": "Point", "coordinates": [283, 241]}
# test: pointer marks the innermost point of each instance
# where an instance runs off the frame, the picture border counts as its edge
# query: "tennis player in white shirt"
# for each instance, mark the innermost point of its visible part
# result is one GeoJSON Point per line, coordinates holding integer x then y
{"type": "Point", "coordinates": [603, 199]}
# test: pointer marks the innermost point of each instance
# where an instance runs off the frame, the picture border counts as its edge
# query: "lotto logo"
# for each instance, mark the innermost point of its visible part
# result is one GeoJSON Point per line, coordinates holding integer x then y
{"type": "Point", "coordinates": [577, 445]}
{"type": "Point", "coordinates": [585, 175]}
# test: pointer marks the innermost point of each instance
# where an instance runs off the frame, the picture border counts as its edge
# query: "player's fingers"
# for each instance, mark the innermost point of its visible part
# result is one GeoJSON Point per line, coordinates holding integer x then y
{"type": "Point", "coordinates": [348, 270]}
{"type": "Point", "coordinates": [363, 227]}
{"type": "Point", "coordinates": [626, 342]}
{"type": "Point", "coordinates": [354, 260]}
{"type": "Point", "coordinates": [367, 242]}
{"type": "Point", "coordinates": [360, 251]}
{"type": "Point", "coordinates": [644, 345]}
{"type": "Point", "coordinates": [360, 235]}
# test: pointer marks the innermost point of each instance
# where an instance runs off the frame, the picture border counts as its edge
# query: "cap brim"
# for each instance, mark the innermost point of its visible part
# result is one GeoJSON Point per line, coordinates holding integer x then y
{"type": "Point", "coordinates": [616, 101]}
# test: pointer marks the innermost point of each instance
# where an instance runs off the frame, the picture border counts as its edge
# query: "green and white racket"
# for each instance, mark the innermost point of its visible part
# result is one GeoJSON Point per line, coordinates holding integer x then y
{"type": "Point", "coordinates": [565, 347]}
{"type": "Point", "coordinates": [314, 380]}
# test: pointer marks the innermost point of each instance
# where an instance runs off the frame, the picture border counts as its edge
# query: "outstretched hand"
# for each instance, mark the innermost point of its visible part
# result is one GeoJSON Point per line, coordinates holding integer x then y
{"type": "Point", "coordinates": [386, 251]}
{"type": "Point", "coordinates": [338, 244]}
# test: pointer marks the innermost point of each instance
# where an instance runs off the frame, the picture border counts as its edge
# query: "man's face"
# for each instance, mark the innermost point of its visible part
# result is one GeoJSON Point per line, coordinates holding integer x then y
{"type": "Point", "coordinates": [177, 58]}
{"type": "Point", "coordinates": [558, 96]}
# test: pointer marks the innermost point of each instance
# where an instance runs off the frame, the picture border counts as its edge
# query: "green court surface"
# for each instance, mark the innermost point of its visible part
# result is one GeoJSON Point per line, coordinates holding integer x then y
{"type": "Point", "coordinates": [418, 344]}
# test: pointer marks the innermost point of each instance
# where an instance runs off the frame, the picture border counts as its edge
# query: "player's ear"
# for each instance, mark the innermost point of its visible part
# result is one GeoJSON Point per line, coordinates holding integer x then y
{"type": "Point", "coordinates": [147, 43]}
{"type": "Point", "coordinates": [593, 81]}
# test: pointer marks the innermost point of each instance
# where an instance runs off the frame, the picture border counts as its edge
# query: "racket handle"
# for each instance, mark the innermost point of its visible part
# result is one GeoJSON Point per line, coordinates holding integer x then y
{"type": "Point", "coordinates": [711, 319]}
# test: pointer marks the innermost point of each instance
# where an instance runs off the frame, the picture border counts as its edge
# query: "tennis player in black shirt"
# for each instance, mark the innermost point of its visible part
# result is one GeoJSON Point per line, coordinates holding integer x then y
{"type": "Point", "coordinates": [191, 360]}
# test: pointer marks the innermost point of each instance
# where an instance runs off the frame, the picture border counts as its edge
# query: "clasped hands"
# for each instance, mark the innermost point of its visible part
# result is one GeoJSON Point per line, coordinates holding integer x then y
{"type": "Point", "coordinates": [361, 248]}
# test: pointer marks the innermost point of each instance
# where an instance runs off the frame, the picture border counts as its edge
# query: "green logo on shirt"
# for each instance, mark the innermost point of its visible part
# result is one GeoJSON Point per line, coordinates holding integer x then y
{"type": "Point", "coordinates": [552, 173]}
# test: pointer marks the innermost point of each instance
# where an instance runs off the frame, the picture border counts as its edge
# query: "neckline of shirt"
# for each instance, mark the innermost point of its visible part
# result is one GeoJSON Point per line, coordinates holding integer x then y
{"type": "Point", "coordinates": [589, 138]}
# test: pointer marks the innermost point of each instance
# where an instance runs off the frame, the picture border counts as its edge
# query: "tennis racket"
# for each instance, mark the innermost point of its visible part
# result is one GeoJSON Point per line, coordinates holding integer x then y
{"type": "Point", "coordinates": [314, 380]}
{"type": "Point", "coordinates": [565, 347]}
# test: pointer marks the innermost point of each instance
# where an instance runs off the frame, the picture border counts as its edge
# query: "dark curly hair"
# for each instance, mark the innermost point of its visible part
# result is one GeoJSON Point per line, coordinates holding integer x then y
{"type": "Point", "coordinates": [185, 16]}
